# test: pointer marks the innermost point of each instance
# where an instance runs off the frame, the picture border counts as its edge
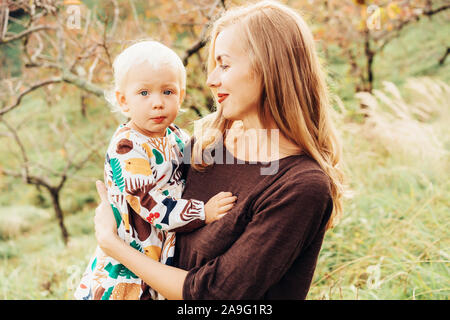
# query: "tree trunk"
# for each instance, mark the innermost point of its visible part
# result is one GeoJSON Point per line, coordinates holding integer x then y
{"type": "Point", "coordinates": [83, 104]}
{"type": "Point", "coordinates": [370, 54]}
{"type": "Point", "coordinates": [442, 59]}
{"type": "Point", "coordinates": [59, 214]}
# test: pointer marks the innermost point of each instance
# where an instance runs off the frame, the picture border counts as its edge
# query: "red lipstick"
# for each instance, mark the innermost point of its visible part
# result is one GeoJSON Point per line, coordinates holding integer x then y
{"type": "Point", "coordinates": [221, 97]}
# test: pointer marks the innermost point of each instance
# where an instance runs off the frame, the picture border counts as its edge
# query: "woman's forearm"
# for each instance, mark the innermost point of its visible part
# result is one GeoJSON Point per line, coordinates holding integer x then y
{"type": "Point", "coordinates": [167, 280]}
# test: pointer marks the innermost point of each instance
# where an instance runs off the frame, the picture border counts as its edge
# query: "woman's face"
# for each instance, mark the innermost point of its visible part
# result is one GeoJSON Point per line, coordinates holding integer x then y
{"type": "Point", "coordinates": [237, 89]}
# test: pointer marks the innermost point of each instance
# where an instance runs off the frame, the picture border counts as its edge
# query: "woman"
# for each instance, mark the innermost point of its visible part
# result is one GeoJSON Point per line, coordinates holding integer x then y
{"type": "Point", "coordinates": [264, 73]}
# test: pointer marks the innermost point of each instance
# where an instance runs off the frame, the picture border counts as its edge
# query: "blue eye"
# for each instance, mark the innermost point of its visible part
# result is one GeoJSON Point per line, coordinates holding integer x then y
{"type": "Point", "coordinates": [143, 93]}
{"type": "Point", "coordinates": [167, 92]}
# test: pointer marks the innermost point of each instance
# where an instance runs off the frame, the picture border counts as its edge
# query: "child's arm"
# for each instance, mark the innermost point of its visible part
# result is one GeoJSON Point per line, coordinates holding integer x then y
{"type": "Point", "coordinates": [218, 205]}
{"type": "Point", "coordinates": [131, 171]}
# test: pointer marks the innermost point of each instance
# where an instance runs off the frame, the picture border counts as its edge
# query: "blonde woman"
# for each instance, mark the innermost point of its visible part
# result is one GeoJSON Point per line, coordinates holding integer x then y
{"type": "Point", "coordinates": [265, 75]}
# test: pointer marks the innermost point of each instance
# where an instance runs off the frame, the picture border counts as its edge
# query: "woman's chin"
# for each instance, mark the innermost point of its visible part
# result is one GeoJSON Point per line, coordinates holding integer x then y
{"type": "Point", "coordinates": [230, 116]}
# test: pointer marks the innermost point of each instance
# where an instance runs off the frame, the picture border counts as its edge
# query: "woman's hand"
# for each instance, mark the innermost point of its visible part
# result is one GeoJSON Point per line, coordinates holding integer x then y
{"type": "Point", "coordinates": [105, 224]}
{"type": "Point", "coordinates": [165, 279]}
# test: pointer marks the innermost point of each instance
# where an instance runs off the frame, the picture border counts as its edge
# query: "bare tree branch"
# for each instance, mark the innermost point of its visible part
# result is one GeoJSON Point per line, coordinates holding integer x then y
{"type": "Point", "coordinates": [27, 91]}
{"type": "Point", "coordinates": [431, 12]}
{"type": "Point", "coordinates": [202, 40]}
{"type": "Point", "coordinates": [25, 33]}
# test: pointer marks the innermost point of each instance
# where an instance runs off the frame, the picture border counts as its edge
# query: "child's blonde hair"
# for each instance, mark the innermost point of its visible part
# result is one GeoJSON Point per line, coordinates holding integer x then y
{"type": "Point", "coordinates": [149, 51]}
{"type": "Point", "coordinates": [282, 52]}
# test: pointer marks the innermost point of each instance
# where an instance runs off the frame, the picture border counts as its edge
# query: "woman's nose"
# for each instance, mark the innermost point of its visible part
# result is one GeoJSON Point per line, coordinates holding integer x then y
{"type": "Point", "coordinates": [213, 80]}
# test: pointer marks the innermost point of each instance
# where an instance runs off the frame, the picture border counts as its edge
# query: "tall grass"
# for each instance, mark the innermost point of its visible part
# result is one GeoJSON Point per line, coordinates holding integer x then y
{"type": "Point", "coordinates": [394, 240]}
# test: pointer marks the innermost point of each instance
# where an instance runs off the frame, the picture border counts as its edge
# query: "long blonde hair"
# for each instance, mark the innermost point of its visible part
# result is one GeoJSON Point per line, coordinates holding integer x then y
{"type": "Point", "coordinates": [295, 95]}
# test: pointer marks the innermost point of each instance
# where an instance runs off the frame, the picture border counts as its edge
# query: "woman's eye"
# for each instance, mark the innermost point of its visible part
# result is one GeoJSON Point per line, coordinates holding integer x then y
{"type": "Point", "coordinates": [143, 93]}
{"type": "Point", "coordinates": [167, 92]}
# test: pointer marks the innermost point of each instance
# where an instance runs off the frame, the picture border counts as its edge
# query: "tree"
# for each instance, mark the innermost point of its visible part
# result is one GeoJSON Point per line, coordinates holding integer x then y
{"type": "Point", "coordinates": [71, 44]}
{"type": "Point", "coordinates": [363, 28]}
{"type": "Point", "coordinates": [44, 175]}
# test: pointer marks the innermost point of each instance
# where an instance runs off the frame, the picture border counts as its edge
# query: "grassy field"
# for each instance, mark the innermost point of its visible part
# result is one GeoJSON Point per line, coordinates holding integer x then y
{"type": "Point", "coordinates": [392, 243]}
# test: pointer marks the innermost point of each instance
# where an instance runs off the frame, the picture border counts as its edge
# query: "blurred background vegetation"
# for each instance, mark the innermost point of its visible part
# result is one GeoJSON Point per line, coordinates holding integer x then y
{"type": "Point", "coordinates": [388, 72]}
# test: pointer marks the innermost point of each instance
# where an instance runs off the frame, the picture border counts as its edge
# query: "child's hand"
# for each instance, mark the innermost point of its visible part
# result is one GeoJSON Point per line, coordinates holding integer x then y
{"type": "Point", "coordinates": [218, 206]}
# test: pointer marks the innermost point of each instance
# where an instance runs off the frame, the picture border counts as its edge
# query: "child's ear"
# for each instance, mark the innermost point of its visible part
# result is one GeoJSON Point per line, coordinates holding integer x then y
{"type": "Point", "coordinates": [121, 99]}
{"type": "Point", "coordinates": [182, 96]}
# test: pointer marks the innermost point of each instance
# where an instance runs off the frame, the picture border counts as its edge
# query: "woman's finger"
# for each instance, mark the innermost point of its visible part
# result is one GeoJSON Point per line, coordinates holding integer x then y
{"type": "Point", "coordinates": [101, 190]}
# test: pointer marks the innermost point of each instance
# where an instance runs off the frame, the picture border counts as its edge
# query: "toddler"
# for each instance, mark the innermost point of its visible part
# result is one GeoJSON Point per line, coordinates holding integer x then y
{"type": "Point", "coordinates": [142, 172]}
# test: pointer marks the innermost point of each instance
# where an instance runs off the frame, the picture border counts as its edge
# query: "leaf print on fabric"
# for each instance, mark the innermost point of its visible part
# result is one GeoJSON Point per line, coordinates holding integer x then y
{"type": "Point", "coordinates": [134, 203]}
{"type": "Point", "coordinates": [107, 293]}
{"type": "Point", "coordinates": [138, 166]}
{"type": "Point", "coordinates": [136, 246]}
{"type": "Point", "coordinates": [117, 173]}
{"type": "Point", "coordinates": [158, 156]}
{"type": "Point", "coordinates": [153, 252]}
{"type": "Point", "coordinates": [119, 270]}
{"type": "Point", "coordinates": [94, 263]}
{"type": "Point", "coordinates": [147, 150]}
{"type": "Point", "coordinates": [180, 143]}
{"type": "Point", "coordinates": [117, 215]}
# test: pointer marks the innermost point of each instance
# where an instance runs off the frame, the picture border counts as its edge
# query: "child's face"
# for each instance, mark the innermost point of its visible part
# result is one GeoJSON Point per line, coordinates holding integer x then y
{"type": "Point", "coordinates": [152, 96]}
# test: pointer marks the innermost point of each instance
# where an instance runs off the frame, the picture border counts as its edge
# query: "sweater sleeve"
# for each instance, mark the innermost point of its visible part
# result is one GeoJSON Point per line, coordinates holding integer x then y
{"type": "Point", "coordinates": [283, 224]}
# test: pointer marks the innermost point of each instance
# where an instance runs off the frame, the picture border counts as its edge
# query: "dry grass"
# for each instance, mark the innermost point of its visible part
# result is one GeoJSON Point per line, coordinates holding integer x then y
{"type": "Point", "coordinates": [393, 242]}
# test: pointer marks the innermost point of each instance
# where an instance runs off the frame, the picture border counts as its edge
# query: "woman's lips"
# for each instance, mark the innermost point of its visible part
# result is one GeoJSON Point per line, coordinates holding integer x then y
{"type": "Point", "coordinates": [221, 97]}
{"type": "Point", "coordinates": [158, 119]}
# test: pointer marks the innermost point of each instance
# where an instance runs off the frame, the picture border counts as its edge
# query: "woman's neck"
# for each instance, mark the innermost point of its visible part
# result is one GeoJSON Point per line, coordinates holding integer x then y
{"type": "Point", "coordinates": [258, 143]}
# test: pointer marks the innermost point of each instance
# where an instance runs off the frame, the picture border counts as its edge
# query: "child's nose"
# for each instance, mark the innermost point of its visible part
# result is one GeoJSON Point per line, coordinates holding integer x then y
{"type": "Point", "coordinates": [157, 102]}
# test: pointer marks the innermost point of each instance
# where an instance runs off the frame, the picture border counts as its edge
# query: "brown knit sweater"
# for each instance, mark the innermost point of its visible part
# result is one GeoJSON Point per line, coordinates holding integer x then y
{"type": "Point", "coordinates": [267, 246]}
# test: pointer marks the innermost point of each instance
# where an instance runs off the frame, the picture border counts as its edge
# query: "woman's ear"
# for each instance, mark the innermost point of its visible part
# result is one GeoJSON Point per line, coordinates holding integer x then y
{"type": "Point", "coordinates": [121, 99]}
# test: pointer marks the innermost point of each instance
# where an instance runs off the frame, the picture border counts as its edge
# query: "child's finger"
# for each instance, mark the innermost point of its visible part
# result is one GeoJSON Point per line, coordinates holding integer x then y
{"type": "Point", "coordinates": [227, 200]}
{"type": "Point", "coordinates": [224, 194]}
{"type": "Point", "coordinates": [220, 216]}
{"type": "Point", "coordinates": [224, 209]}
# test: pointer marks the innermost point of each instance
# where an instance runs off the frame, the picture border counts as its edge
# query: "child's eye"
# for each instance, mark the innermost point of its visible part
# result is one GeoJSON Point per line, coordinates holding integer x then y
{"type": "Point", "coordinates": [143, 93]}
{"type": "Point", "coordinates": [168, 92]}
{"type": "Point", "coordinates": [224, 66]}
